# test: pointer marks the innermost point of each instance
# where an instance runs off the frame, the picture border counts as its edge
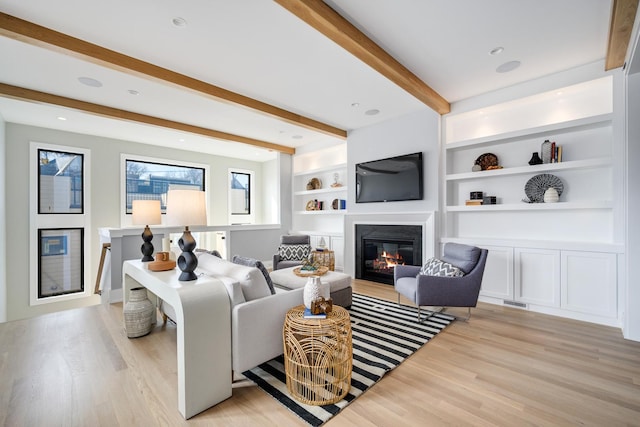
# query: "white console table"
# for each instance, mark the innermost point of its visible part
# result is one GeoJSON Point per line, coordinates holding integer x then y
{"type": "Point", "coordinates": [203, 320]}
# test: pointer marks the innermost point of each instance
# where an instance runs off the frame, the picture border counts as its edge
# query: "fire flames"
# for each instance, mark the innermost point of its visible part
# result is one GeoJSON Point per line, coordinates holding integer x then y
{"type": "Point", "coordinates": [387, 261]}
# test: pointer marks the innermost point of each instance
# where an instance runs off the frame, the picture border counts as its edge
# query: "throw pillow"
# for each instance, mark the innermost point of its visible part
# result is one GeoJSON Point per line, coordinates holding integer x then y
{"type": "Point", "coordinates": [250, 262]}
{"type": "Point", "coordinates": [294, 252]}
{"type": "Point", "coordinates": [436, 267]}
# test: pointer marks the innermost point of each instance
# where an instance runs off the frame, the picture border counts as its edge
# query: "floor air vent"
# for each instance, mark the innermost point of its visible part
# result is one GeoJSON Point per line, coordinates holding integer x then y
{"type": "Point", "coordinates": [514, 303]}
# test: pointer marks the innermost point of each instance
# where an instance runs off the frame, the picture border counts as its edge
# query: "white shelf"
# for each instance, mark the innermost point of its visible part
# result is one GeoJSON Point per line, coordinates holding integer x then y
{"type": "Point", "coordinates": [323, 212]}
{"type": "Point", "coordinates": [320, 170]}
{"type": "Point", "coordinates": [321, 191]}
{"type": "Point", "coordinates": [536, 132]}
{"type": "Point", "coordinates": [521, 170]}
{"type": "Point", "coordinates": [590, 204]}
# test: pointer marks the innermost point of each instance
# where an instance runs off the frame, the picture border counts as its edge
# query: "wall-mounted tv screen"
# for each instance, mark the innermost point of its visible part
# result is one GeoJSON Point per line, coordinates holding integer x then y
{"type": "Point", "coordinates": [388, 180]}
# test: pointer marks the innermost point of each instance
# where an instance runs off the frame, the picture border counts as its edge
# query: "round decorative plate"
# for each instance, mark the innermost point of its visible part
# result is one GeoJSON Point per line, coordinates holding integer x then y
{"type": "Point", "coordinates": [335, 204]}
{"type": "Point", "coordinates": [536, 186]}
{"type": "Point", "coordinates": [486, 160]}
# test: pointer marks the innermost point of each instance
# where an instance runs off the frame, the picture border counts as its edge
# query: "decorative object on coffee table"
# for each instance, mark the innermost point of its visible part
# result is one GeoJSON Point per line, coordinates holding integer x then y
{"type": "Point", "coordinates": [298, 271]}
{"type": "Point", "coordinates": [162, 262]}
{"type": "Point", "coordinates": [138, 313]}
{"type": "Point", "coordinates": [314, 289]}
{"type": "Point", "coordinates": [318, 356]}
{"type": "Point", "coordinates": [324, 258]}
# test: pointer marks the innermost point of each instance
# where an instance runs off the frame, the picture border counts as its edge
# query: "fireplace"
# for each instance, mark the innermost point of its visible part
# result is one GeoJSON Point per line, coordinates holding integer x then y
{"type": "Point", "coordinates": [379, 248]}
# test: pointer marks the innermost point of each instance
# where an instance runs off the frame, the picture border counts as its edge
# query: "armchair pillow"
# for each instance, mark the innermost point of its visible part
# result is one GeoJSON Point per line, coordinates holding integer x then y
{"type": "Point", "coordinates": [250, 262]}
{"type": "Point", "coordinates": [436, 267]}
{"type": "Point", "coordinates": [294, 252]}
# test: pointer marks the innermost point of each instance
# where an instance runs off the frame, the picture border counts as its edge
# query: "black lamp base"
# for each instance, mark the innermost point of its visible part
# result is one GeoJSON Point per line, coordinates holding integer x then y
{"type": "Point", "coordinates": [147, 246]}
{"type": "Point", "coordinates": [187, 261]}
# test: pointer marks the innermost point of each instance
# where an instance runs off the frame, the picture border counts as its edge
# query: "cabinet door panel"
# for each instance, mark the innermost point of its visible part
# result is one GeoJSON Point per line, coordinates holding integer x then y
{"type": "Point", "coordinates": [337, 246]}
{"type": "Point", "coordinates": [589, 282]}
{"type": "Point", "coordinates": [537, 279]}
{"type": "Point", "coordinates": [497, 281]}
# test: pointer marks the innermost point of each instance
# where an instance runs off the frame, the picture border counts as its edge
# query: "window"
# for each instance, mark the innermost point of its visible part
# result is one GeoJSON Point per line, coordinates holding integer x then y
{"type": "Point", "coordinates": [150, 180]}
{"type": "Point", "coordinates": [58, 241]}
{"type": "Point", "coordinates": [60, 182]}
{"type": "Point", "coordinates": [61, 263]}
{"type": "Point", "coordinates": [241, 197]}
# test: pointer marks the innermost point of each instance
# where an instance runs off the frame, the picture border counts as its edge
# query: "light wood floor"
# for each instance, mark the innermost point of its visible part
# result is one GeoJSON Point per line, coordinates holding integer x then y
{"type": "Point", "coordinates": [504, 367]}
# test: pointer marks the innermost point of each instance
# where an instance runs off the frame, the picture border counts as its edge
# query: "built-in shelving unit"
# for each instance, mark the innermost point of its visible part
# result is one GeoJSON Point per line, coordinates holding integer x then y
{"type": "Point", "coordinates": [326, 194]}
{"type": "Point", "coordinates": [558, 258]}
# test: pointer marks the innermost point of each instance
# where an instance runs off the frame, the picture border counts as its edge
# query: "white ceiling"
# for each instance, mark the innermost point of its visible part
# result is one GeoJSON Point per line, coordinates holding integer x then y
{"type": "Point", "coordinates": [260, 50]}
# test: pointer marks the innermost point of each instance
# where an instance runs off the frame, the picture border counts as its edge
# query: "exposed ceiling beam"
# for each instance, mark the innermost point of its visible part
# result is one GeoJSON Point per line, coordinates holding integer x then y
{"type": "Point", "coordinates": [330, 23]}
{"type": "Point", "coordinates": [623, 15]}
{"type": "Point", "coordinates": [30, 95]}
{"type": "Point", "coordinates": [34, 34]}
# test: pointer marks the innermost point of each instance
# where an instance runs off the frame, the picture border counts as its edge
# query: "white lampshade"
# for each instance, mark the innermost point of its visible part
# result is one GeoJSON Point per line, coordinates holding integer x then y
{"type": "Point", "coordinates": [146, 212]}
{"type": "Point", "coordinates": [186, 208]}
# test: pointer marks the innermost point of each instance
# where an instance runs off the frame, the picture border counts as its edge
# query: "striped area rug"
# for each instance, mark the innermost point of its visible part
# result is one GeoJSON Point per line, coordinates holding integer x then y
{"type": "Point", "coordinates": [384, 335]}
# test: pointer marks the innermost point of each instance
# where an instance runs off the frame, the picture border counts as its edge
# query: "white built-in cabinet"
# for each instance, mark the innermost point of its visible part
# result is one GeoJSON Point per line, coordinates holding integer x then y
{"type": "Point", "coordinates": [558, 258]}
{"type": "Point", "coordinates": [328, 167]}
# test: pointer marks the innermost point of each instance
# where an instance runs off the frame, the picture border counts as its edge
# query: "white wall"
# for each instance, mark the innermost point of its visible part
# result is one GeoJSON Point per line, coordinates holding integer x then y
{"type": "Point", "coordinates": [631, 327]}
{"type": "Point", "coordinates": [3, 226]}
{"type": "Point", "coordinates": [105, 205]}
{"type": "Point", "coordinates": [405, 135]}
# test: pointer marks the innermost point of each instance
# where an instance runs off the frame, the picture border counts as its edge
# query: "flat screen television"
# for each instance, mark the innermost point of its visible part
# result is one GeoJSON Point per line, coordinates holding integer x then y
{"type": "Point", "coordinates": [390, 180]}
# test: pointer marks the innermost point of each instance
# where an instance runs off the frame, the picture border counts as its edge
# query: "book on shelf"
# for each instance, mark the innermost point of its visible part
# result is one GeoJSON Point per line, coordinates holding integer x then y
{"type": "Point", "coordinates": [309, 315]}
{"type": "Point", "coordinates": [473, 202]}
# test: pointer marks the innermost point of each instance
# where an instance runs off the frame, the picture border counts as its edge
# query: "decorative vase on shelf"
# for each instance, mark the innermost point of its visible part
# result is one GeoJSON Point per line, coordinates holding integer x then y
{"type": "Point", "coordinates": [138, 313]}
{"type": "Point", "coordinates": [314, 289]}
{"type": "Point", "coordinates": [551, 195]}
{"type": "Point", "coordinates": [535, 159]}
{"type": "Point", "coordinates": [545, 151]}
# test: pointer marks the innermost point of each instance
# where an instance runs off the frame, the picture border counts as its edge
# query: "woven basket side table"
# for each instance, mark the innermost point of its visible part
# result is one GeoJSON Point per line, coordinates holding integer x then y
{"type": "Point", "coordinates": [318, 356]}
{"type": "Point", "coordinates": [325, 258]}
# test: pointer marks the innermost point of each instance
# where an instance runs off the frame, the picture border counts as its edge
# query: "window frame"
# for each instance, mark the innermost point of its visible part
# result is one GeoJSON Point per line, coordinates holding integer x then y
{"type": "Point", "coordinates": [39, 221]}
{"type": "Point", "coordinates": [242, 219]}
{"type": "Point", "coordinates": [125, 216]}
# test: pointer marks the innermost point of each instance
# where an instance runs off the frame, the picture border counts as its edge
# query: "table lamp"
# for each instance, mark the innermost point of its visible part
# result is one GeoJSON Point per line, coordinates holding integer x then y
{"type": "Point", "coordinates": [145, 212]}
{"type": "Point", "coordinates": [186, 208]}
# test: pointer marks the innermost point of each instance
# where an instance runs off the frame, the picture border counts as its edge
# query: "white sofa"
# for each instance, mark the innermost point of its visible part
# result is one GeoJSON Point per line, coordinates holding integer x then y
{"type": "Point", "coordinates": [257, 315]}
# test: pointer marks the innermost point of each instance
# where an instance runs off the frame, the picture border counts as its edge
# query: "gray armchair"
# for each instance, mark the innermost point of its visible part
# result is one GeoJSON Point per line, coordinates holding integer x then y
{"type": "Point", "coordinates": [440, 291]}
{"type": "Point", "coordinates": [294, 248]}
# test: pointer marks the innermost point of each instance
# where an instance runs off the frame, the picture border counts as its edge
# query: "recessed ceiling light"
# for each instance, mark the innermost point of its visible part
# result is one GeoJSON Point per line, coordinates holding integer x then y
{"type": "Point", "coordinates": [355, 104]}
{"type": "Point", "coordinates": [133, 92]}
{"type": "Point", "coordinates": [496, 50]}
{"type": "Point", "coordinates": [372, 112]}
{"type": "Point", "coordinates": [508, 66]}
{"type": "Point", "coordinates": [181, 140]}
{"type": "Point", "coordinates": [90, 82]}
{"type": "Point", "coordinates": [297, 137]}
{"type": "Point", "coordinates": [179, 22]}
{"type": "Point", "coordinates": [62, 118]}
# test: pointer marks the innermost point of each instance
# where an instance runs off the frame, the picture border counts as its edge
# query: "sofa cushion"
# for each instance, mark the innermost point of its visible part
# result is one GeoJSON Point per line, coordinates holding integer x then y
{"type": "Point", "coordinates": [251, 262]}
{"type": "Point", "coordinates": [251, 280]}
{"type": "Point", "coordinates": [464, 257]}
{"type": "Point", "coordinates": [436, 267]}
{"type": "Point", "coordinates": [294, 252]}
